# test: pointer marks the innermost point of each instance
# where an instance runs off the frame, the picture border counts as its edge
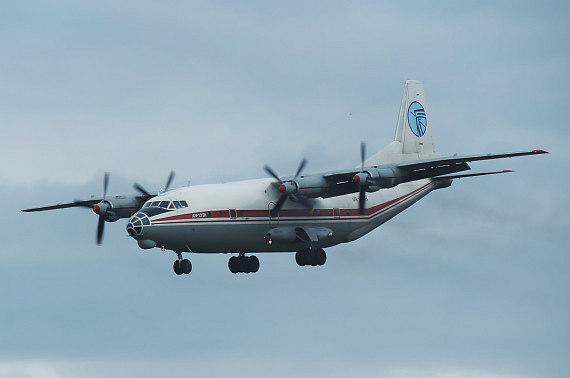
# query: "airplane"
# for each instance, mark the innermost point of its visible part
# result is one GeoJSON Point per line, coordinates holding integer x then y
{"type": "Point", "coordinates": [301, 213]}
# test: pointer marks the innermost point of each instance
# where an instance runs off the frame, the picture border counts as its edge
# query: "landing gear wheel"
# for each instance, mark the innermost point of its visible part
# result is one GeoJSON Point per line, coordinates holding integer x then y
{"type": "Point", "coordinates": [243, 264]}
{"type": "Point", "coordinates": [186, 266]}
{"type": "Point", "coordinates": [300, 258]}
{"type": "Point", "coordinates": [233, 264]}
{"type": "Point", "coordinates": [252, 264]}
{"type": "Point", "coordinates": [177, 267]}
{"type": "Point", "coordinates": [320, 256]}
{"type": "Point", "coordinates": [311, 256]}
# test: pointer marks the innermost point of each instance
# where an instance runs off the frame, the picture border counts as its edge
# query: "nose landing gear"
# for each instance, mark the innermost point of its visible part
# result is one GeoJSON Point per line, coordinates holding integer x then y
{"type": "Point", "coordinates": [182, 266]}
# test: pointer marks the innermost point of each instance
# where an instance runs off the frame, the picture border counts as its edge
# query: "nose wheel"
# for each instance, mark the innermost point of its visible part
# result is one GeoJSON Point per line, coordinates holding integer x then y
{"type": "Point", "coordinates": [182, 266]}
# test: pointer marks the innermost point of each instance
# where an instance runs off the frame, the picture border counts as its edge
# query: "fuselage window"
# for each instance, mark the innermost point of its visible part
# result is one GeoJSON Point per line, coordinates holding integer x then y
{"type": "Point", "coordinates": [233, 214]}
{"type": "Point", "coordinates": [183, 203]}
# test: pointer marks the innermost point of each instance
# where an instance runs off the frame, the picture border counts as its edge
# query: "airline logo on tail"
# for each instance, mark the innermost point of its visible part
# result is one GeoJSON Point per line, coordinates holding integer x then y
{"type": "Point", "coordinates": [417, 119]}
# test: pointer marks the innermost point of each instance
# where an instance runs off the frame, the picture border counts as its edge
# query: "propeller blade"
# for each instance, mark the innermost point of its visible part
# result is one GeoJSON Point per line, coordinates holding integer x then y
{"type": "Point", "coordinates": [105, 184]}
{"type": "Point", "coordinates": [278, 206]}
{"type": "Point", "coordinates": [169, 181]}
{"type": "Point", "coordinates": [141, 190]}
{"type": "Point", "coordinates": [270, 171]}
{"type": "Point", "coordinates": [303, 201]}
{"type": "Point", "coordinates": [362, 154]}
{"type": "Point", "coordinates": [361, 200]}
{"type": "Point", "coordinates": [301, 166]}
{"type": "Point", "coordinates": [100, 229]}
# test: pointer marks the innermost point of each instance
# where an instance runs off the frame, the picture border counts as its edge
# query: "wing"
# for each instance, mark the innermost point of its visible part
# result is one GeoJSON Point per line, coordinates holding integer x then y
{"type": "Point", "coordinates": [88, 203]}
{"type": "Point", "coordinates": [390, 175]}
{"type": "Point", "coordinates": [116, 201]}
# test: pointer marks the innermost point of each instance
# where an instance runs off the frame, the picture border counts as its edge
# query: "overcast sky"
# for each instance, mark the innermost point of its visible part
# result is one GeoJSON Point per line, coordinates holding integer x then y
{"type": "Point", "coordinates": [472, 281]}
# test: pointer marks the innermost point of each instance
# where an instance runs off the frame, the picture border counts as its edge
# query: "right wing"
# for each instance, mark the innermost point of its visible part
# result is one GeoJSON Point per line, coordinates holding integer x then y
{"type": "Point", "coordinates": [390, 175]}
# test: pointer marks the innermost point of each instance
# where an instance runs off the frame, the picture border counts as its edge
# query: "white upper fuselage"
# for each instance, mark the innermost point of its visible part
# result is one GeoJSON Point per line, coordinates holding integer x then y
{"type": "Point", "coordinates": [234, 217]}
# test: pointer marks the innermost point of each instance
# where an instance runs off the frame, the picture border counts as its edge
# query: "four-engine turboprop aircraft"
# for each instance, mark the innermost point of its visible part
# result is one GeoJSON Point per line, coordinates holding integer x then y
{"type": "Point", "coordinates": [301, 213]}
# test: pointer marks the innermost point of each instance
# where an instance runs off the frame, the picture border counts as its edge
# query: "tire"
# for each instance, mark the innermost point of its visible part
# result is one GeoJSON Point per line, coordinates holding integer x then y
{"type": "Point", "coordinates": [233, 264]}
{"type": "Point", "coordinates": [320, 256]}
{"type": "Point", "coordinates": [177, 267]}
{"type": "Point", "coordinates": [310, 256]}
{"type": "Point", "coordinates": [253, 264]}
{"type": "Point", "coordinates": [300, 258]}
{"type": "Point", "coordinates": [186, 266]}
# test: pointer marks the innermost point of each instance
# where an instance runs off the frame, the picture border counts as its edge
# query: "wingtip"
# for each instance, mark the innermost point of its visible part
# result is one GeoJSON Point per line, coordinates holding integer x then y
{"type": "Point", "coordinates": [539, 152]}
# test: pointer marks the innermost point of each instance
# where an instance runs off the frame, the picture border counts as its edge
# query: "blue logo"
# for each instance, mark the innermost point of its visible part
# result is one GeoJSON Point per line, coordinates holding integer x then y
{"type": "Point", "coordinates": [417, 119]}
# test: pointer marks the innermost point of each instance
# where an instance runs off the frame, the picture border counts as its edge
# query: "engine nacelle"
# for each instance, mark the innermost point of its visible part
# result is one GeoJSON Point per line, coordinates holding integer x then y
{"type": "Point", "coordinates": [312, 186]}
{"type": "Point", "coordinates": [281, 235]}
{"type": "Point", "coordinates": [377, 178]}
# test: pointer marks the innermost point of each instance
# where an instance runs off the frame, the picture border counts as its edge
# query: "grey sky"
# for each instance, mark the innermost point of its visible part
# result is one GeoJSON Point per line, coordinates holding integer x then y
{"type": "Point", "coordinates": [471, 281]}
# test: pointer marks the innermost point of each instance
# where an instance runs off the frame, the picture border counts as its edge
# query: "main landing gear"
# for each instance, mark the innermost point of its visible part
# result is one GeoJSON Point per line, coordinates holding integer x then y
{"type": "Point", "coordinates": [182, 266]}
{"type": "Point", "coordinates": [243, 264]}
{"type": "Point", "coordinates": [311, 256]}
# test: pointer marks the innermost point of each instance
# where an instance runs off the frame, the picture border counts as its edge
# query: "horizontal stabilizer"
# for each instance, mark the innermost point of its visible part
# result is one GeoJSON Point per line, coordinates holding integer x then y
{"type": "Point", "coordinates": [439, 178]}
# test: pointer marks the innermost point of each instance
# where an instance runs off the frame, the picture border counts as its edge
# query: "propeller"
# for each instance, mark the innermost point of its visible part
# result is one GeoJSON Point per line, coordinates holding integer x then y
{"type": "Point", "coordinates": [358, 179]}
{"type": "Point", "coordinates": [288, 189]}
{"type": "Point", "coordinates": [144, 192]}
{"type": "Point", "coordinates": [101, 208]}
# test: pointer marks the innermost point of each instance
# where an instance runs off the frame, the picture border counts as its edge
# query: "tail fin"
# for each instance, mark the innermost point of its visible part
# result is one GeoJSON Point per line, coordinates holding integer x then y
{"type": "Point", "coordinates": [413, 139]}
{"type": "Point", "coordinates": [414, 129]}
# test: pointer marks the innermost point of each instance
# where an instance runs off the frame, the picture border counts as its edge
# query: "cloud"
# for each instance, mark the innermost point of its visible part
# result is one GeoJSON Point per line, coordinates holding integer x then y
{"type": "Point", "coordinates": [250, 367]}
{"type": "Point", "coordinates": [470, 280]}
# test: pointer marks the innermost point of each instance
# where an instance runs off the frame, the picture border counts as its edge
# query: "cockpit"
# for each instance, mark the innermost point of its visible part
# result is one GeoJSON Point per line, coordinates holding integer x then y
{"type": "Point", "coordinates": [151, 208]}
{"type": "Point", "coordinates": [168, 205]}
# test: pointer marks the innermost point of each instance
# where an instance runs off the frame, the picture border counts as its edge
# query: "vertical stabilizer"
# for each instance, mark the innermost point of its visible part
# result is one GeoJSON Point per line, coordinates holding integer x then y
{"type": "Point", "coordinates": [414, 129]}
{"type": "Point", "coordinates": [413, 139]}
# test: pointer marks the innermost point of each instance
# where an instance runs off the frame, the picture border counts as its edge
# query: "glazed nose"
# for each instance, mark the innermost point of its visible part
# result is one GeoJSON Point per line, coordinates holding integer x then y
{"type": "Point", "coordinates": [136, 224]}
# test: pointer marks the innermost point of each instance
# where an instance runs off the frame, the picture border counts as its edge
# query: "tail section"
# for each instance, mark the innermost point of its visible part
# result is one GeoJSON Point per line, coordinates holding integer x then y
{"type": "Point", "coordinates": [414, 129]}
{"type": "Point", "coordinates": [413, 139]}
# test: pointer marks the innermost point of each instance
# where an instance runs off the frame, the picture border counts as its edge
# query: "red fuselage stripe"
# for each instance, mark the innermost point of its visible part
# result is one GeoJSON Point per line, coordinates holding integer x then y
{"type": "Point", "coordinates": [217, 216]}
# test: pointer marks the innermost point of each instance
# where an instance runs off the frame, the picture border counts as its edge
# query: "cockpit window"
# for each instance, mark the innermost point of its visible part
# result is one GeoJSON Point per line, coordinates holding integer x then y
{"type": "Point", "coordinates": [169, 205]}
